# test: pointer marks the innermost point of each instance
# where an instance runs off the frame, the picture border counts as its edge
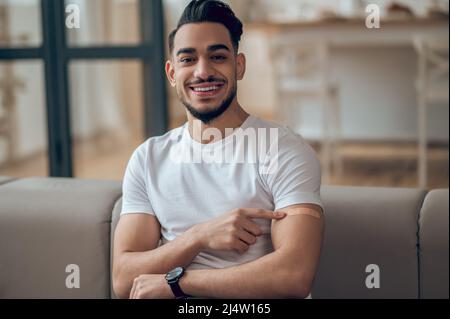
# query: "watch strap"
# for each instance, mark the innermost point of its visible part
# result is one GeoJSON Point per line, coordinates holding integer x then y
{"type": "Point", "coordinates": [176, 289]}
{"type": "Point", "coordinates": [175, 286]}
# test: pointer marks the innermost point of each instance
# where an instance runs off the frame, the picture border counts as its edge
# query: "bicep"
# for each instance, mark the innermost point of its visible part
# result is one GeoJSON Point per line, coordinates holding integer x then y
{"type": "Point", "coordinates": [298, 236]}
{"type": "Point", "coordinates": [136, 233]}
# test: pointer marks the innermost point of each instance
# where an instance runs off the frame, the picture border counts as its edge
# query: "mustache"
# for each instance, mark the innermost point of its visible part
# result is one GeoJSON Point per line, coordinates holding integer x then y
{"type": "Point", "coordinates": [210, 79]}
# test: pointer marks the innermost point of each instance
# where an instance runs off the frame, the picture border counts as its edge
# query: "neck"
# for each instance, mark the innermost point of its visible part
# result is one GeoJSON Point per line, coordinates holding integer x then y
{"type": "Point", "coordinates": [233, 118]}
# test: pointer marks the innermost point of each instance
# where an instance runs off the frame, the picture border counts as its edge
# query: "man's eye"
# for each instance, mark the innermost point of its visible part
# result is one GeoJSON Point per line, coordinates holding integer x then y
{"type": "Point", "coordinates": [218, 57]}
{"type": "Point", "coordinates": [186, 60]}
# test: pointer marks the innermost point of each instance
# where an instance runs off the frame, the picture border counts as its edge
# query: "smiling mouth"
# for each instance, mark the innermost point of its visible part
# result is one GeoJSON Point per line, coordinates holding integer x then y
{"type": "Point", "coordinates": [206, 91]}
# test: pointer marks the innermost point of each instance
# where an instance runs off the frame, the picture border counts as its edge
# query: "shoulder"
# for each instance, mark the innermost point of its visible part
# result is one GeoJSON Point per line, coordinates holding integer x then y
{"type": "Point", "coordinates": [159, 144]}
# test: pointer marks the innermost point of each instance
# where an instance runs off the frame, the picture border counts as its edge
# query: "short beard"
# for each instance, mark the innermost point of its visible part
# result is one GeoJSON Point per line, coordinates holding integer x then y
{"type": "Point", "coordinates": [208, 116]}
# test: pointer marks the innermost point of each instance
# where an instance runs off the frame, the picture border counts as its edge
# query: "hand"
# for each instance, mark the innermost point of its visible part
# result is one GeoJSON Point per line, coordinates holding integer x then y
{"type": "Point", "coordinates": [151, 286]}
{"type": "Point", "coordinates": [233, 230]}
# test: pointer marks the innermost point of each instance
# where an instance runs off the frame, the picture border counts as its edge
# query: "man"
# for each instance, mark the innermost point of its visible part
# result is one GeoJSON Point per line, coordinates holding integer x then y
{"type": "Point", "coordinates": [229, 229]}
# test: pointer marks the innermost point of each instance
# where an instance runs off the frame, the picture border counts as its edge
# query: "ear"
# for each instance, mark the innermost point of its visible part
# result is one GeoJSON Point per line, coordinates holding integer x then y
{"type": "Point", "coordinates": [170, 72]}
{"type": "Point", "coordinates": [240, 66]}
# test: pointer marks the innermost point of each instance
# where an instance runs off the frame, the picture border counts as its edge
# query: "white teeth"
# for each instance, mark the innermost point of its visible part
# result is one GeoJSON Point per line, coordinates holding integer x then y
{"type": "Point", "coordinates": [211, 88]}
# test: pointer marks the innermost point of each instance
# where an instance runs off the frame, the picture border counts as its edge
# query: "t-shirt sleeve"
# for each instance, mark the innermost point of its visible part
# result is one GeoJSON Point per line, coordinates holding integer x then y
{"type": "Point", "coordinates": [134, 190]}
{"type": "Point", "coordinates": [295, 175]}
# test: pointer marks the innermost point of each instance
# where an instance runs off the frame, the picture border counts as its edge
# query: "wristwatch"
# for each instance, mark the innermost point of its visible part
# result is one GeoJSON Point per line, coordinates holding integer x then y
{"type": "Point", "coordinates": [172, 278]}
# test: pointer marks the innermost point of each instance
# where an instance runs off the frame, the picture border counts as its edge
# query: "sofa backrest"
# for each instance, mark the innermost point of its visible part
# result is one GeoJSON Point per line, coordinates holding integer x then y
{"type": "Point", "coordinates": [47, 224]}
{"type": "Point", "coordinates": [370, 235]}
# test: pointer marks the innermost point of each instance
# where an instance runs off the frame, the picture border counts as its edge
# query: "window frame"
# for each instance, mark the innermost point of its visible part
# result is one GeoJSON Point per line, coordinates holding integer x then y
{"type": "Point", "coordinates": [56, 56]}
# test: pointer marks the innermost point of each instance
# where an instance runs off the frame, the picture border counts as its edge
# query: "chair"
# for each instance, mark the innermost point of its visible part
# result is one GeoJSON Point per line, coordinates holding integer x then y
{"type": "Point", "coordinates": [431, 86]}
{"type": "Point", "coordinates": [301, 70]}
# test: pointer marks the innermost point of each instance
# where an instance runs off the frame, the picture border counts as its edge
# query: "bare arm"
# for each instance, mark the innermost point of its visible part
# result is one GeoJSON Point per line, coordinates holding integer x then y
{"type": "Point", "coordinates": [288, 272]}
{"type": "Point", "coordinates": [137, 257]}
{"type": "Point", "coordinates": [136, 251]}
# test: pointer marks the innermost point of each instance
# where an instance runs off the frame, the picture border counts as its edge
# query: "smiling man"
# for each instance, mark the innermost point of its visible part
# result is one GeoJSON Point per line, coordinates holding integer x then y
{"type": "Point", "coordinates": [249, 227]}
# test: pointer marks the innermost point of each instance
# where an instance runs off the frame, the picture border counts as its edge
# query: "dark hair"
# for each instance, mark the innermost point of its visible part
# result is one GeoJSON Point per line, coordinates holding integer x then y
{"type": "Point", "coordinates": [198, 11]}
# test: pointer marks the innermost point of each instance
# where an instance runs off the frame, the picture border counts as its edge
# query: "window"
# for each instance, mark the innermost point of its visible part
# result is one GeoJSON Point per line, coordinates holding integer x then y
{"type": "Point", "coordinates": [119, 44]}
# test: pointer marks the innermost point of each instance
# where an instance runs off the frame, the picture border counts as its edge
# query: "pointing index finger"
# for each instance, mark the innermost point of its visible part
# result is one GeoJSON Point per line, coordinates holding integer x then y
{"type": "Point", "coordinates": [262, 213]}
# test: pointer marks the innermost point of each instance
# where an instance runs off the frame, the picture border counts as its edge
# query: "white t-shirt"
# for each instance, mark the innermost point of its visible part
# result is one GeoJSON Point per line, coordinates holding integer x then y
{"type": "Point", "coordinates": [163, 178]}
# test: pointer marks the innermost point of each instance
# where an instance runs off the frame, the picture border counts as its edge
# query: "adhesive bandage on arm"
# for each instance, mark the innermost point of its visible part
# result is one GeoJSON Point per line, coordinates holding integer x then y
{"type": "Point", "coordinates": [304, 211]}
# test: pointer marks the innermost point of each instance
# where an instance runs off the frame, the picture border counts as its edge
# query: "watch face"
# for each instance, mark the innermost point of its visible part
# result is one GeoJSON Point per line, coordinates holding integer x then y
{"type": "Point", "coordinates": [173, 274]}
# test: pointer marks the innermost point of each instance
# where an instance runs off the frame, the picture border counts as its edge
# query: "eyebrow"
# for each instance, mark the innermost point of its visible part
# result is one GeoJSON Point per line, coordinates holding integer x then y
{"type": "Point", "coordinates": [186, 50]}
{"type": "Point", "coordinates": [216, 47]}
{"type": "Point", "coordinates": [210, 48]}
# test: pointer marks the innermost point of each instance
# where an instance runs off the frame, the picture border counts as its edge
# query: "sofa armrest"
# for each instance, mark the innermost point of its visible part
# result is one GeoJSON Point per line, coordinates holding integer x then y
{"type": "Point", "coordinates": [433, 245]}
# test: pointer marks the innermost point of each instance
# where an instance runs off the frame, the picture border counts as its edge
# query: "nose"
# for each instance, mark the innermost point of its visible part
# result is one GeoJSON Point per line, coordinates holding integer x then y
{"type": "Point", "coordinates": [203, 69]}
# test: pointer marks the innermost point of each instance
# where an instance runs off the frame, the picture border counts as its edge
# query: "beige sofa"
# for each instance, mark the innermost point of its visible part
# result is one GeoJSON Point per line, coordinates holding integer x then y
{"type": "Point", "coordinates": [49, 223]}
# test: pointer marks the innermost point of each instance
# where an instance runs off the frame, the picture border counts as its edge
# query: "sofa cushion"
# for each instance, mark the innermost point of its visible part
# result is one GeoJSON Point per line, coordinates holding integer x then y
{"type": "Point", "coordinates": [433, 246]}
{"type": "Point", "coordinates": [369, 226]}
{"type": "Point", "coordinates": [47, 224]}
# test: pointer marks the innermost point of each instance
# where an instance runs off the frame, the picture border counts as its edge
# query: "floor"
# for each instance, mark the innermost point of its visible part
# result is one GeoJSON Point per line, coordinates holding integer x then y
{"type": "Point", "coordinates": [365, 164]}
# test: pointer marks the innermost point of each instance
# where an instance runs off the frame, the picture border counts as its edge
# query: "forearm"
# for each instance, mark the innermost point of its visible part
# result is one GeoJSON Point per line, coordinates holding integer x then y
{"type": "Point", "coordinates": [266, 277]}
{"type": "Point", "coordinates": [178, 252]}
